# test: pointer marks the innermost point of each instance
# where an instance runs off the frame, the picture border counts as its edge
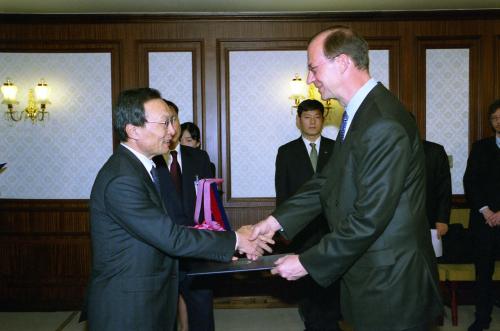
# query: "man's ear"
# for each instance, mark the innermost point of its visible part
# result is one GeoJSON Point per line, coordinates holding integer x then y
{"type": "Point", "coordinates": [131, 131]}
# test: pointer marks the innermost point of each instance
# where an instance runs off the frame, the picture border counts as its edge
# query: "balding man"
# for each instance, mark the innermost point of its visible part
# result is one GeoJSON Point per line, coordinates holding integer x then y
{"type": "Point", "coordinates": [372, 193]}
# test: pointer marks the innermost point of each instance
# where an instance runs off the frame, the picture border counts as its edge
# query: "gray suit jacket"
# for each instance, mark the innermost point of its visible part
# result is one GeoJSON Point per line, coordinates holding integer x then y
{"type": "Point", "coordinates": [135, 246]}
{"type": "Point", "coordinates": [372, 193]}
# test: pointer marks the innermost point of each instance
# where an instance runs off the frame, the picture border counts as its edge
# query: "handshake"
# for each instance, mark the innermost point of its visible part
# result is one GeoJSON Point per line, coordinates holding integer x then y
{"type": "Point", "coordinates": [254, 240]}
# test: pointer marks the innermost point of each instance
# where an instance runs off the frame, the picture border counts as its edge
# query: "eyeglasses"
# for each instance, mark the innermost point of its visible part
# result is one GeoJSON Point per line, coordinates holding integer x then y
{"type": "Point", "coordinates": [315, 68]}
{"type": "Point", "coordinates": [494, 118]}
{"type": "Point", "coordinates": [168, 121]}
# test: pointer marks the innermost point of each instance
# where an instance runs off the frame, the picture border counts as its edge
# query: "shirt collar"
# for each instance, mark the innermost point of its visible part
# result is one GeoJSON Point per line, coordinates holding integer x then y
{"type": "Point", "coordinates": [148, 163]}
{"type": "Point", "coordinates": [497, 138]}
{"type": "Point", "coordinates": [359, 96]}
{"type": "Point", "coordinates": [353, 105]}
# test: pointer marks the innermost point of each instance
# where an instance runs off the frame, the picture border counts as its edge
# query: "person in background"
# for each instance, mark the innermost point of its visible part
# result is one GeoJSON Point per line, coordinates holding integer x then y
{"type": "Point", "coordinates": [179, 170]}
{"type": "Point", "coordinates": [296, 163]}
{"type": "Point", "coordinates": [190, 136]}
{"type": "Point", "coordinates": [482, 189]}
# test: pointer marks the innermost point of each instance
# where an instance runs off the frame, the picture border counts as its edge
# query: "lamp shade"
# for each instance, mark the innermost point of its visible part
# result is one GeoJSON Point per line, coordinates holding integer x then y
{"type": "Point", "coordinates": [9, 91]}
{"type": "Point", "coordinates": [42, 92]}
{"type": "Point", "coordinates": [298, 88]}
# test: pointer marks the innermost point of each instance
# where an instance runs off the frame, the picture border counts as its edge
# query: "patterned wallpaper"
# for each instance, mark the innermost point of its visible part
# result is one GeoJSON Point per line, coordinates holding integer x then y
{"type": "Point", "coordinates": [447, 106]}
{"type": "Point", "coordinates": [171, 73]}
{"type": "Point", "coordinates": [262, 118]}
{"type": "Point", "coordinates": [58, 158]}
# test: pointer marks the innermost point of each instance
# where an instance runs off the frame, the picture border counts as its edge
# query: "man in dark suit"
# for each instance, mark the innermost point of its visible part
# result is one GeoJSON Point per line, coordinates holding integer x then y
{"type": "Point", "coordinates": [438, 203]}
{"type": "Point", "coordinates": [296, 163]}
{"type": "Point", "coordinates": [372, 193]}
{"type": "Point", "coordinates": [135, 243]}
{"type": "Point", "coordinates": [194, 164]}
{"type": "Point", "coordinates": [482, 188]}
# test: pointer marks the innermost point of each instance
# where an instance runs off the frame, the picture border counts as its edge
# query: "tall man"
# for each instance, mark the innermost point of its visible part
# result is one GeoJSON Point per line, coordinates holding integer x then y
{"type": "Point", "coordinates": [482, 188]}
{"type": "Point", "coordinates": [133, 284]}
{"type": "Point", "coordinates": [190, 164]}
{"type": "Point", "coordinates": [296, 163]}
{"type": "Point", "coordinates": [372, 193]}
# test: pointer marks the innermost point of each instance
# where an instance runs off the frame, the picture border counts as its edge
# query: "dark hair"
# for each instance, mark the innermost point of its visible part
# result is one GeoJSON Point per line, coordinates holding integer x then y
{"type": "Point", "coordinates": [495, 105]}
{"type": "Point", "coordinates": [310, 104]}
{"type": "Point", "coordinates": [130, 109]}
{"type": "Point", "coordinates": [342, 39]}
{"type": "Point", "coordinates": [193, 130]}
{"type": "Point", "coordinates": [172, 105]}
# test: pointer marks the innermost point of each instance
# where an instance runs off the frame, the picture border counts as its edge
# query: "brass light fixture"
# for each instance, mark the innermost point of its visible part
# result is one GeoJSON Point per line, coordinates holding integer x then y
{"type": "Point", "coordinates": [38, 95]}
{"type": "Point", "coordinates": [301, 91]}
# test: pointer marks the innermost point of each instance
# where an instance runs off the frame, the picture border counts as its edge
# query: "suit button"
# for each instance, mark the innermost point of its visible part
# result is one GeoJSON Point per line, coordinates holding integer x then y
{"type": "Point", "coordinates": [336, 203]}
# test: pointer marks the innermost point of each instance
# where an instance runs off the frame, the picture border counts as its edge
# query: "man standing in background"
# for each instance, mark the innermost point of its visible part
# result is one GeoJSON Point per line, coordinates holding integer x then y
{"type": "Point", "coordinates": [296, 162]}
{"type": "Point", "coordinates": [482, 188]}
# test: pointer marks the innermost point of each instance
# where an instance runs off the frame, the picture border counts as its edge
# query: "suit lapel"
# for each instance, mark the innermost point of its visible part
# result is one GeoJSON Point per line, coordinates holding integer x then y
{"type": "Point", "coordinates": [302, 159]}
{"type": "Point", "coordinates": [323, 154]}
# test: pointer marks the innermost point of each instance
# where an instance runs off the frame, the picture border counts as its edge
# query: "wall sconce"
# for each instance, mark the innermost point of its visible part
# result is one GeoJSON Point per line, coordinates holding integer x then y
{"type": "Point", "coordinates": [300, 91]}
{"type": "Point", "coordinates": [39, 95]}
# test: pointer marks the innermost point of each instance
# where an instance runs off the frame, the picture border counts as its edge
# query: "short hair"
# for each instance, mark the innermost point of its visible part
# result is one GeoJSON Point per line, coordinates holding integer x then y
{"type": "Point", "coordinates": [130, 109]}
{"type": "Point", "coordinates": [193, 130]}
{"type": "Point", "coordinates": [342, 39]}
{"type": "Point", "coordinates": [495, 105]}
{"type": "Point", "coordinates": [172, 105]}
{"type": "Point", "coordinates": [310, 104]}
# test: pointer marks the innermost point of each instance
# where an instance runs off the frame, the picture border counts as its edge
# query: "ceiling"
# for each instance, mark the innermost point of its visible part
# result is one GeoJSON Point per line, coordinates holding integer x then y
{"type": "Point", "coordinates": [234, 6]}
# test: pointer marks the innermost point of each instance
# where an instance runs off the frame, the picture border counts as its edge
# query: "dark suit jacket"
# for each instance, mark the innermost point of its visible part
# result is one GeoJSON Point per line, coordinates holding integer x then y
{"type": "Point", "coordinates": [482, 180]}
{"type": "Point", "coordinates": [195, 163]}
{"type": "Point", "coordinates": [372, 193]}
{"type": "Point", "coordinates": [135, 245]}
{"type": "Point", "coordinates": [437, 170]}
{"type": "Point", "coordinates": [294, 168]}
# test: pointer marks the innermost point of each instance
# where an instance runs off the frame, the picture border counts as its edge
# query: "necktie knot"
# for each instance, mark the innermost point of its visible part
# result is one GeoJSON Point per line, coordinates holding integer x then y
{"type": "Point", "coordinates": [313, 156]}
{"type": "Point", "coordinates": [174, 155]}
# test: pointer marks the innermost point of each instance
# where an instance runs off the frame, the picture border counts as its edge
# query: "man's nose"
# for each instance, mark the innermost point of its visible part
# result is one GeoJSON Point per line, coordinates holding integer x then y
{"type": "Point", "coordinates": [310, 77]}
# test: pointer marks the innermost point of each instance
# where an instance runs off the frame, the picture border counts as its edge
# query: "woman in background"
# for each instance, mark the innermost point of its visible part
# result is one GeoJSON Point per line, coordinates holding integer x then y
{"type": "Point", "coordinates": [190, 136]}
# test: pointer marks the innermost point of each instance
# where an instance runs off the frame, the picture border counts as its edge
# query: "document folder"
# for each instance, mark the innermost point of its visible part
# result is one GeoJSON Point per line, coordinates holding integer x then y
{"type": "Point", "coordinates": [202, 267]}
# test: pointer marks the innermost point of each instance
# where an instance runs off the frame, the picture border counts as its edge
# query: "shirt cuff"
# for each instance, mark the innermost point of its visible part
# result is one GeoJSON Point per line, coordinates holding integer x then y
{"type": "Point", "coordinates": [237, 240]}
{"type": "Point", "coordinates": [483, 209]}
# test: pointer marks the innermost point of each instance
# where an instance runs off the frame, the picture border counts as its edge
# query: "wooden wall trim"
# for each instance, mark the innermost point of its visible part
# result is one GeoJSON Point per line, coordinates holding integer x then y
{"type": "Point", "coordinates": [225, 46]}
{"type": "Point", "coordinates": [473, 43]}
{"type": "Point", "coordinates": [238, 17]}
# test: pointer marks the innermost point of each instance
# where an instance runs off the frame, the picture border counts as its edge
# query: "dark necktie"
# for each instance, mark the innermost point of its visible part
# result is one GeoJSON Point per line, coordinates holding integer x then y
{"type": "Point", "coordinates": [175, 172]}
{"type": "Point", "coordinates": [156, 179]}
{"type": "Point", "coordinates": [343, 126]}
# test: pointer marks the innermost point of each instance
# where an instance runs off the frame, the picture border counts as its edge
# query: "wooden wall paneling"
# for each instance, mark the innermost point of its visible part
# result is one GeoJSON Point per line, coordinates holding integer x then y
{"type": "Point", "coordinates": [196, 47]}
{"type": "Point", "coordinates": [44, 254]}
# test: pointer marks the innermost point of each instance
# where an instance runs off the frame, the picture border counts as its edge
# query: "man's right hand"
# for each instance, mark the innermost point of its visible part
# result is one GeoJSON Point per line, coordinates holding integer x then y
{"type": "Point", "coordinates": [267, 227]}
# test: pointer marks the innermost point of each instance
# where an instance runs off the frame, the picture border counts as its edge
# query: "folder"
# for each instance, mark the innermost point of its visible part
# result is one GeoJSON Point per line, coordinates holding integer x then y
{"type": "Point", "coordinates": [202, 267]}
